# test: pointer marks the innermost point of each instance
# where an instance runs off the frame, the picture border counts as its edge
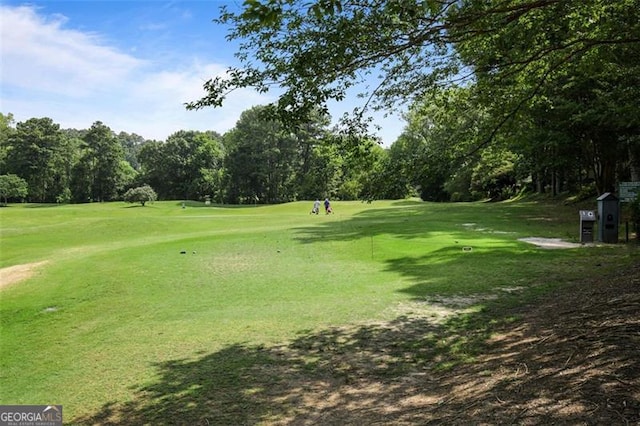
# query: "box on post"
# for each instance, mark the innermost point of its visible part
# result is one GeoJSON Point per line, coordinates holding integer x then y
{"type": "Point", "coordinates": [587, 223]}
{"type": "Point", "coordinates": [608, 218]}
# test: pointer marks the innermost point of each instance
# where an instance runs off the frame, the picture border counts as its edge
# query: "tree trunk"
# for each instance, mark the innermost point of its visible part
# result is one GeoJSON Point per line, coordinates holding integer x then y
{"type": "Point", "coordinates": [634, 165]}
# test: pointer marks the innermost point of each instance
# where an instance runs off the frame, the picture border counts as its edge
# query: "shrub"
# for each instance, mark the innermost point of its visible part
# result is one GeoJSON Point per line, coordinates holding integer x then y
{"type": "Point", "coordinates": [12, 186]}
{"type": "Point", "coordinates": [141, 194]}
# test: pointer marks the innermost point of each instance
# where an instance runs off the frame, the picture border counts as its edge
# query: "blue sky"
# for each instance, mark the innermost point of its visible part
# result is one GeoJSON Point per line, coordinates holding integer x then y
{"type": "Point", "coordinates": [130, 64]}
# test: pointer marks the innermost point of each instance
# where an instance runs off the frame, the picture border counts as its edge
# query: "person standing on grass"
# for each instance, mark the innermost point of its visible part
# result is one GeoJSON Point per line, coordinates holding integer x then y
{"type": "Point", "coordinates": [327, 206]}
{"type": "Point", "coordinates": [316, 207]}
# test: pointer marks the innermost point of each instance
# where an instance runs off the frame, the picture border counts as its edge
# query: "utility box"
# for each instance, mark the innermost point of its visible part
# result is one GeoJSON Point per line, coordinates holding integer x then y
{"type": "Point", "coordinates": [587, 223]}
{"type": "Point", "coordinates": [608, 218]}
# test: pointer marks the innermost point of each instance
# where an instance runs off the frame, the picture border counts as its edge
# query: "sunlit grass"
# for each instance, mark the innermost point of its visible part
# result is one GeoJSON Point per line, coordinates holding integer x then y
{"type": "Point", "coordinates": [126, 288]}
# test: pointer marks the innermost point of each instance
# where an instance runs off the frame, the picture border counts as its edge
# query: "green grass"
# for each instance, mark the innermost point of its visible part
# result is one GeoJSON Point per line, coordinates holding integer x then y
{"type": "Point", "coordinates": [118, 311]}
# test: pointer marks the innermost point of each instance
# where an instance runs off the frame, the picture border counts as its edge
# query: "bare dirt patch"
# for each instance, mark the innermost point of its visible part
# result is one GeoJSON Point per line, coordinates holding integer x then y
{"type": "Point", "coordinates": [551, 243]}
{"type": "Point", "coordinates": [17, 273]}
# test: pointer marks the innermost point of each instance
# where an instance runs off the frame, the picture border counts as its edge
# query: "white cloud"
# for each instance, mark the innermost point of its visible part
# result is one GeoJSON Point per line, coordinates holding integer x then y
{"type": "Point", "coordinates": [158, 100]}
{"type": "Point", "coordinates": [39, 54]}
{"type": "Point", "coordinates": [76, 78]}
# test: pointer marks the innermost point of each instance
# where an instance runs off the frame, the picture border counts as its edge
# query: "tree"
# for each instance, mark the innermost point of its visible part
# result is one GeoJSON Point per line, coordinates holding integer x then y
{"type": "Point", "coordinates": [131, 145]}
{"type": "Point", "coordinates": [12, 186]}
{"type": "Point", "coordinates": [261, 159]}
{"type": "Point", "coordinates": [434, 153]}
{"type": "Point", "coordinates": [494, 175]}
{"type": "Point", "coordinates": [318, 51]}
{"type": "Point", "coordinates": [268, 162]}
{"type": "Point", "coordinates": [152, 163]}
{"type": "Point", "coordinates": [317, 163]}
{"type": "Point", "coordinates": [321, 170]}
{"type": "Point", "coordinates": [569, 71]}
{"type": "Point", "coordinates": [140, 194]}
{"type": "Point", "coordinates": [98, 175]}
{"type": "Point", "coordinates": [578, 57]}
{"type": "Point", "coordinates": [38, 152]}
{"type": "Point", "coordinates": [187, 166]}
{"type": "Point", "coordinates": [358, 159]}
{"type": "Point", "coordinates": [6, 128]}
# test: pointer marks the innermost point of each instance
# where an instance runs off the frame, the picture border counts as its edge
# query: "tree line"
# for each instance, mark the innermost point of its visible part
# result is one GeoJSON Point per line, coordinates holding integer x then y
{"type": "Point", "coordinates": [262, 160]}
{"type": "Point", "coordinates": [500, 97]}
{"type": "Point", "coordinates": [258, 161]}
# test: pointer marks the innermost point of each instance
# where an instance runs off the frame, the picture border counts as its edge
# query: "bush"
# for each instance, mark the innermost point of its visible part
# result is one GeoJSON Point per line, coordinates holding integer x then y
{"type": "Point", "coordinates": [141, 194]}
{"type": "Point", "coordinates": [12, 186]}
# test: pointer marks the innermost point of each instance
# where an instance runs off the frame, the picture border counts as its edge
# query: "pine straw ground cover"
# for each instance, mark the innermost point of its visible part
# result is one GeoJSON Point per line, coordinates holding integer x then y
{"type": "Point", "coordinates": [571, 357]}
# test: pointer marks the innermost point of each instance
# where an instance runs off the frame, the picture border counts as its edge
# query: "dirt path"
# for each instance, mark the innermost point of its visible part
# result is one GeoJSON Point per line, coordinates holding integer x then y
{"type": "Point", "coordinates": [17, 273]}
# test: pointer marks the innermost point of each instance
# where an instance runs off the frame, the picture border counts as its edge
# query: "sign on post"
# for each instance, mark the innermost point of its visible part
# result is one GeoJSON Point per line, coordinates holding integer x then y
{"type": "Point", "coordinates": [628, 191]}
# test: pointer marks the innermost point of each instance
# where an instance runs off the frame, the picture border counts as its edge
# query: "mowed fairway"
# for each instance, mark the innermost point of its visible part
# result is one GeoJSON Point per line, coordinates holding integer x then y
{"type": "Point", "coordinates": [135, 312]}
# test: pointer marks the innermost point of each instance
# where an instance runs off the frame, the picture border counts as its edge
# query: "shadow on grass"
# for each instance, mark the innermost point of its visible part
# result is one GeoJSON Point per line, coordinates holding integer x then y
{"type": "Point", "coordinates": [202, 204]}
{"type": "Point", "coordinates": [565, 361]}
{"type": "Point", "coordinates": [43, 205]}
{"type": "Point", "coordinates": [476, 253]}
{"type": "Point", "coordinates": [407, 202]}
{"type": "Point", "coordinates": [412, 220]}
{"type": "Point", "coordinates": [574, 359]}
{"type": "Point", "coordinates": [301, 382]}
{"type": "Point", "coordinates": [505, 268]}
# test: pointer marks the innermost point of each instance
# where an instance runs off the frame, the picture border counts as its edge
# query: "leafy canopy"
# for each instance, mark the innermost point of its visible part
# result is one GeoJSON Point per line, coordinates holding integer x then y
{"type": "Point", "coordinates": [12, 186]}
{"type": "Point", "coordinates": [141, 194]}
{"type": "Point", "coordinates": [316, 51]}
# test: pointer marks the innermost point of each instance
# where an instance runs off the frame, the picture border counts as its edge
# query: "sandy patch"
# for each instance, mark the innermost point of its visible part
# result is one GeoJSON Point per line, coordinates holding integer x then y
{"type": "Point", "coordinates": [551, 243]}
{"type": "Point", "coordinates": [17, 273]}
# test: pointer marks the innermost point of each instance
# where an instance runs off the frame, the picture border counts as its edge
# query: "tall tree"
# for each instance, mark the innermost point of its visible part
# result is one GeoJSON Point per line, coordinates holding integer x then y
{"type": "Point", "coordinates": [98, 175]}
{"type": "Point", "coordinates": [6, 128]}
{"type": "Point", "coordinates": [38, 153]}
{"type": "Point", "coordinates": [151, 163]}
{"type": "Point", "coordinates": [131, 145]}
{"type": "Point", "coordinates": [269, 162]}
{"type": "Point", "coordinates": [316, 166]}
{"type": "Point", "coordinates": [187, 166]}
{"type": "Point", "coordinates": [513, 53]}
{"type": "Point", "coordinates": [440, 143]}
{"type": "Point", "coordinates": [568, 69]}
{"type": "Point", "coordinates": [262, 159]}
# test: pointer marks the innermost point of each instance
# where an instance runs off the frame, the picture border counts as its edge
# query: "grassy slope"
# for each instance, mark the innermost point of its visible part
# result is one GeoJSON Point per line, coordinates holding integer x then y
{"type": "Point", "coordinates": [117, 297]}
